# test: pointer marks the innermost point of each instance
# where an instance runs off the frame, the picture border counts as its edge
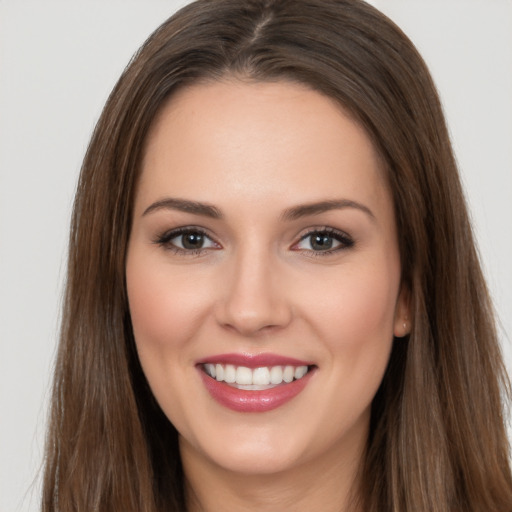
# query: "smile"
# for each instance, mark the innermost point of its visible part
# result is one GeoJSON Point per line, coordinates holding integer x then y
{"type": "Point", "coordinates": [256, 379]}
{"type": "Point", "coordinates": [260, 383]}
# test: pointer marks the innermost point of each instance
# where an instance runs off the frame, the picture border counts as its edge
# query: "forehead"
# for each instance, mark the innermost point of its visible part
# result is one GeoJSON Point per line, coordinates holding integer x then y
{"type": "Point", "coordinates": [275, 141]}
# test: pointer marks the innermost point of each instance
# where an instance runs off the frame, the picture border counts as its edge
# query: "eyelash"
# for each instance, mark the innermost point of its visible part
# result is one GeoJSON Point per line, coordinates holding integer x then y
{"type": "Point", "coordinates": [164, 240]}
{"type": "Point", "coordinates": [345, 241]}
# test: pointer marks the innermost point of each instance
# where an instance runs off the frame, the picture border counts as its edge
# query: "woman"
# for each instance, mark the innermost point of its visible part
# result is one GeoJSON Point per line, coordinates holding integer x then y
{"type": "Point", "coordinates": [274, 301]}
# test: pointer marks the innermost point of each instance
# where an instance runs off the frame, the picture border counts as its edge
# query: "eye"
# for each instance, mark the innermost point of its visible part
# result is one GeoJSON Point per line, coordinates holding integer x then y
{"type": "Point", "coordinates": [187, 240]}
{"type": "Point", "coordinates": [324, 240]}
{"type": "Point", "coordinates": [191, 240]}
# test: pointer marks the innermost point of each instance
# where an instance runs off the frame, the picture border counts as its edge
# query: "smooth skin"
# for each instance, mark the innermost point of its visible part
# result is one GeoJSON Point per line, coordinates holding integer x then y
{"type": "Point", "coordinates": [252, 271]}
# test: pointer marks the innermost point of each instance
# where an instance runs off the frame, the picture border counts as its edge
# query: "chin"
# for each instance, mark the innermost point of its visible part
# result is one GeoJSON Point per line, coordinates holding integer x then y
{"type": "Point", "coordinates": [250, 453]}
{"type": "Point", "coordinates": [255, 463]}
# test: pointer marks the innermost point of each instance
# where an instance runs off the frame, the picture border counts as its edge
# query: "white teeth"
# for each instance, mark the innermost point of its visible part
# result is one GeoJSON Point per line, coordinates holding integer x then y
{"type": "Point", "coordinates": [261, 376]}
{"type": "Point", "coordinates": [276, 375]}
{"type": "Point", "coordinates": [210, 369]}
{"type": "Point", "coordinates": [300, 371]}
{"type": "Point", "coordinates": [243, 375]}
{"type": "Point", "coordinates": [230, 373]}
{"type": "Point", "coordinates": [288, 373]}
{"type": "Point", "coordinates": [256, 378]}
{"type": "Point", "coordinates": [219, 372]}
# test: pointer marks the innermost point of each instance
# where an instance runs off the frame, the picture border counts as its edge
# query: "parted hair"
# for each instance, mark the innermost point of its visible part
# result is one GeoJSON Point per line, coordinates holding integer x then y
{"type": "Point", "coordinates": [437, 440]}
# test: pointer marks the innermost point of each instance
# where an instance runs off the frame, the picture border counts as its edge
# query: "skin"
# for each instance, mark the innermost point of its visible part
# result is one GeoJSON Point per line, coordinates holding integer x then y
{"type": "Point", "coordinates": [253, 151]}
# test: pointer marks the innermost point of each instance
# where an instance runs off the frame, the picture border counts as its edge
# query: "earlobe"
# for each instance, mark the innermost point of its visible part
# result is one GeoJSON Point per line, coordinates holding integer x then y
{"type": "Point", "coordinates": [402, 326]}
{"type": "Point", "coordinates": [402, 329]}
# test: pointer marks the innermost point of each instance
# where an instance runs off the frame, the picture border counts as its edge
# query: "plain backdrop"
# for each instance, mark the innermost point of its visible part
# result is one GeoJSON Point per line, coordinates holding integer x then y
{"type": "Point", "coordinates": [58, 63]}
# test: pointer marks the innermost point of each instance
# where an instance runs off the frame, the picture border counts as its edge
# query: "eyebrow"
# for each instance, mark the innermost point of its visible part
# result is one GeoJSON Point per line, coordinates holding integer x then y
{"type": "Point", "coordinates": [294, 213]}
{"type": "Point", "coordinates": [304, 210]}
{"type": "Point", "coordinates": [184, 205]}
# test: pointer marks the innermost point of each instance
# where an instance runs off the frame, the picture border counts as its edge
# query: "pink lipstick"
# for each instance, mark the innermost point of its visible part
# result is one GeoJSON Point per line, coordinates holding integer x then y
{"type": "Point", "coordinates": [254, 383]}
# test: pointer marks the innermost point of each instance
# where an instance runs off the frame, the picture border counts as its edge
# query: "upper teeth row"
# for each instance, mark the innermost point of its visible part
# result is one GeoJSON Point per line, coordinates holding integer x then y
{"type": "Point", "coordinates": [258, 376]}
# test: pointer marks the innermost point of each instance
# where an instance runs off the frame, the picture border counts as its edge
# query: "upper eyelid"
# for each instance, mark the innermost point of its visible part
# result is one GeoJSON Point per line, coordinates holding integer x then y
{"type": "Point", "coordinates": [167, 235]}
{"type": "Point", "coordinates": [324, 229]}
{"type": "Point", "coordinates": [187, 229]}
{"type": "Point", "coordinates": [175, 232]}
{"type": "Point", "coordinates": [346, 240]}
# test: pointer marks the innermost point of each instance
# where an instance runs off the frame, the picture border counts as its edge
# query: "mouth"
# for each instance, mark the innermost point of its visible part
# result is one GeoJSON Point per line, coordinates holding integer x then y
{"type": "Point", "coordinates": [254, 383]}
{"type": "Point", "coordinates": [255, 379]}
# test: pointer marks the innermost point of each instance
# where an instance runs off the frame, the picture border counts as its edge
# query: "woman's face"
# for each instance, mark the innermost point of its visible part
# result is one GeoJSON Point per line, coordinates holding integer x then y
{"type": "Point", "coordinates": [263, 275]}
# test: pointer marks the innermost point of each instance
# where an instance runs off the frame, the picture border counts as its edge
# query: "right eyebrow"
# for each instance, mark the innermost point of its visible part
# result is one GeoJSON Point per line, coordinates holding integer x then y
{"type": "Point", "coordinates": [304, 210]}
{"type": "Point", "coordinates": [184, 205]}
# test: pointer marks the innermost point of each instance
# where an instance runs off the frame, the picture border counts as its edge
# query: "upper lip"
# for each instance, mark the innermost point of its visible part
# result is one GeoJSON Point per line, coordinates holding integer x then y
{"type": "Point", "coordinates": [253, 360]}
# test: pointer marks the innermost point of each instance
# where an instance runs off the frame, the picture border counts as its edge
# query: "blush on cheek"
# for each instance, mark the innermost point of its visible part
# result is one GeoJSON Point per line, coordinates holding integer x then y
{"type": "Point", "coordinates": [165, 312]}
{"type": "Point", "coordinates": [371, 311]}
{"type": "Point", "coordinates": [359, 317]}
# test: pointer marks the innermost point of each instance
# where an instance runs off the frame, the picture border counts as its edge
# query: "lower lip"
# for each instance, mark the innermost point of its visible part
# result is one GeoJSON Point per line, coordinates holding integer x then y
{"type": "Point", "coordinates": [242, 400]}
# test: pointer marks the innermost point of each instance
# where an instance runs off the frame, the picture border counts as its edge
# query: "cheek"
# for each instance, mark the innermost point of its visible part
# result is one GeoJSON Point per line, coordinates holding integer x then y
{"type": "Point", "coordinates": [367, 312]}
{"type": "Point", "coordinates": [355, 323]}
{"type": "Point", "coordinates": [165, 308]}
{"type": "Point", "coordinates": [355, 315]}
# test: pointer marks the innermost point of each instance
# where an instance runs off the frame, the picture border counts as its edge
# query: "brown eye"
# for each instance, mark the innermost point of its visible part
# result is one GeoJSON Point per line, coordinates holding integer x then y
{"type": "Point", "coordinates": [324, 241]}
{"type": "Point", "coordinates": [321, 241]}
{"type": "Point", "coordinates": [192, 240]}
{"type": "Point", "coordinates": [186, 240]}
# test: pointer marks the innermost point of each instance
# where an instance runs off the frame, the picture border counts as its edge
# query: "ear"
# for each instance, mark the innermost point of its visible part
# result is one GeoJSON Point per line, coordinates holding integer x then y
{"type": "Point", "coordinates": [402, 320]}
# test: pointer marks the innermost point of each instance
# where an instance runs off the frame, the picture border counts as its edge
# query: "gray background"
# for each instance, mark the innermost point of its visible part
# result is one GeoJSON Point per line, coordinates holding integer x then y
{"type": "Point", "coordinates": [59, 61]}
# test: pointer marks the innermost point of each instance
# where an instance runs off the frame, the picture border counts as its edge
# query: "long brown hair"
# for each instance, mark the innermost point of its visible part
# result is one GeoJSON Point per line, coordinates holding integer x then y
{"type": "Point", "coordinates": [437, 439]}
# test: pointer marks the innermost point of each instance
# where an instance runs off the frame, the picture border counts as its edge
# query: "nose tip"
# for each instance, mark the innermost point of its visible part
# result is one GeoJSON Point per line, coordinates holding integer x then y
{"type": "Point", "coordinates": [254, 301]}
{"type": "Point", "coordinates": [250, 322]}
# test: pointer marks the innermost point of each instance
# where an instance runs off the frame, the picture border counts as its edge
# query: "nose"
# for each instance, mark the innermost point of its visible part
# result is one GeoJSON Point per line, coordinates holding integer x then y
{"type": "Point", "coordinates": [253, 296]}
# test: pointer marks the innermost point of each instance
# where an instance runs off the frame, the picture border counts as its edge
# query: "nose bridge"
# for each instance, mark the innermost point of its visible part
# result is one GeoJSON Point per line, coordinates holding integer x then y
{"type": "Point", "coordinates": [253, 299]}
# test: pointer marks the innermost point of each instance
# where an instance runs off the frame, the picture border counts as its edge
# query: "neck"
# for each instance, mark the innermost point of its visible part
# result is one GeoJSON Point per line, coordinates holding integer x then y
{"type": "Point", "coordinates": [328, 483]}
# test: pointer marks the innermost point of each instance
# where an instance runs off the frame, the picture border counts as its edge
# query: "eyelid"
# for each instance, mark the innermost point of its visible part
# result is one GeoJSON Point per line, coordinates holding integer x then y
{"type": "Point", "coordinates": [164, 240]}
{"type": "Point", "coordinates": [345, 240]}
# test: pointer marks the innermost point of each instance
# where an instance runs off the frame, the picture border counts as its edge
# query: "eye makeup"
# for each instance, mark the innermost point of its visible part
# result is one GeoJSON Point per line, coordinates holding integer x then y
{"type": "Point", "coordinates": [323, 241]}
{"type": "Point", "coordinates": [193, 240]}
{"type": "Point", "coordinates": [187, 241]}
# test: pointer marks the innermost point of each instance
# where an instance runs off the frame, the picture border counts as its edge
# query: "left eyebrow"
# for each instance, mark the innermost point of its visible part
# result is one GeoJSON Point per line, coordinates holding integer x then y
{"type": "Point", "coordinates": [303, 210]}
{"type": "Point", "coordinates": [184, 205]}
